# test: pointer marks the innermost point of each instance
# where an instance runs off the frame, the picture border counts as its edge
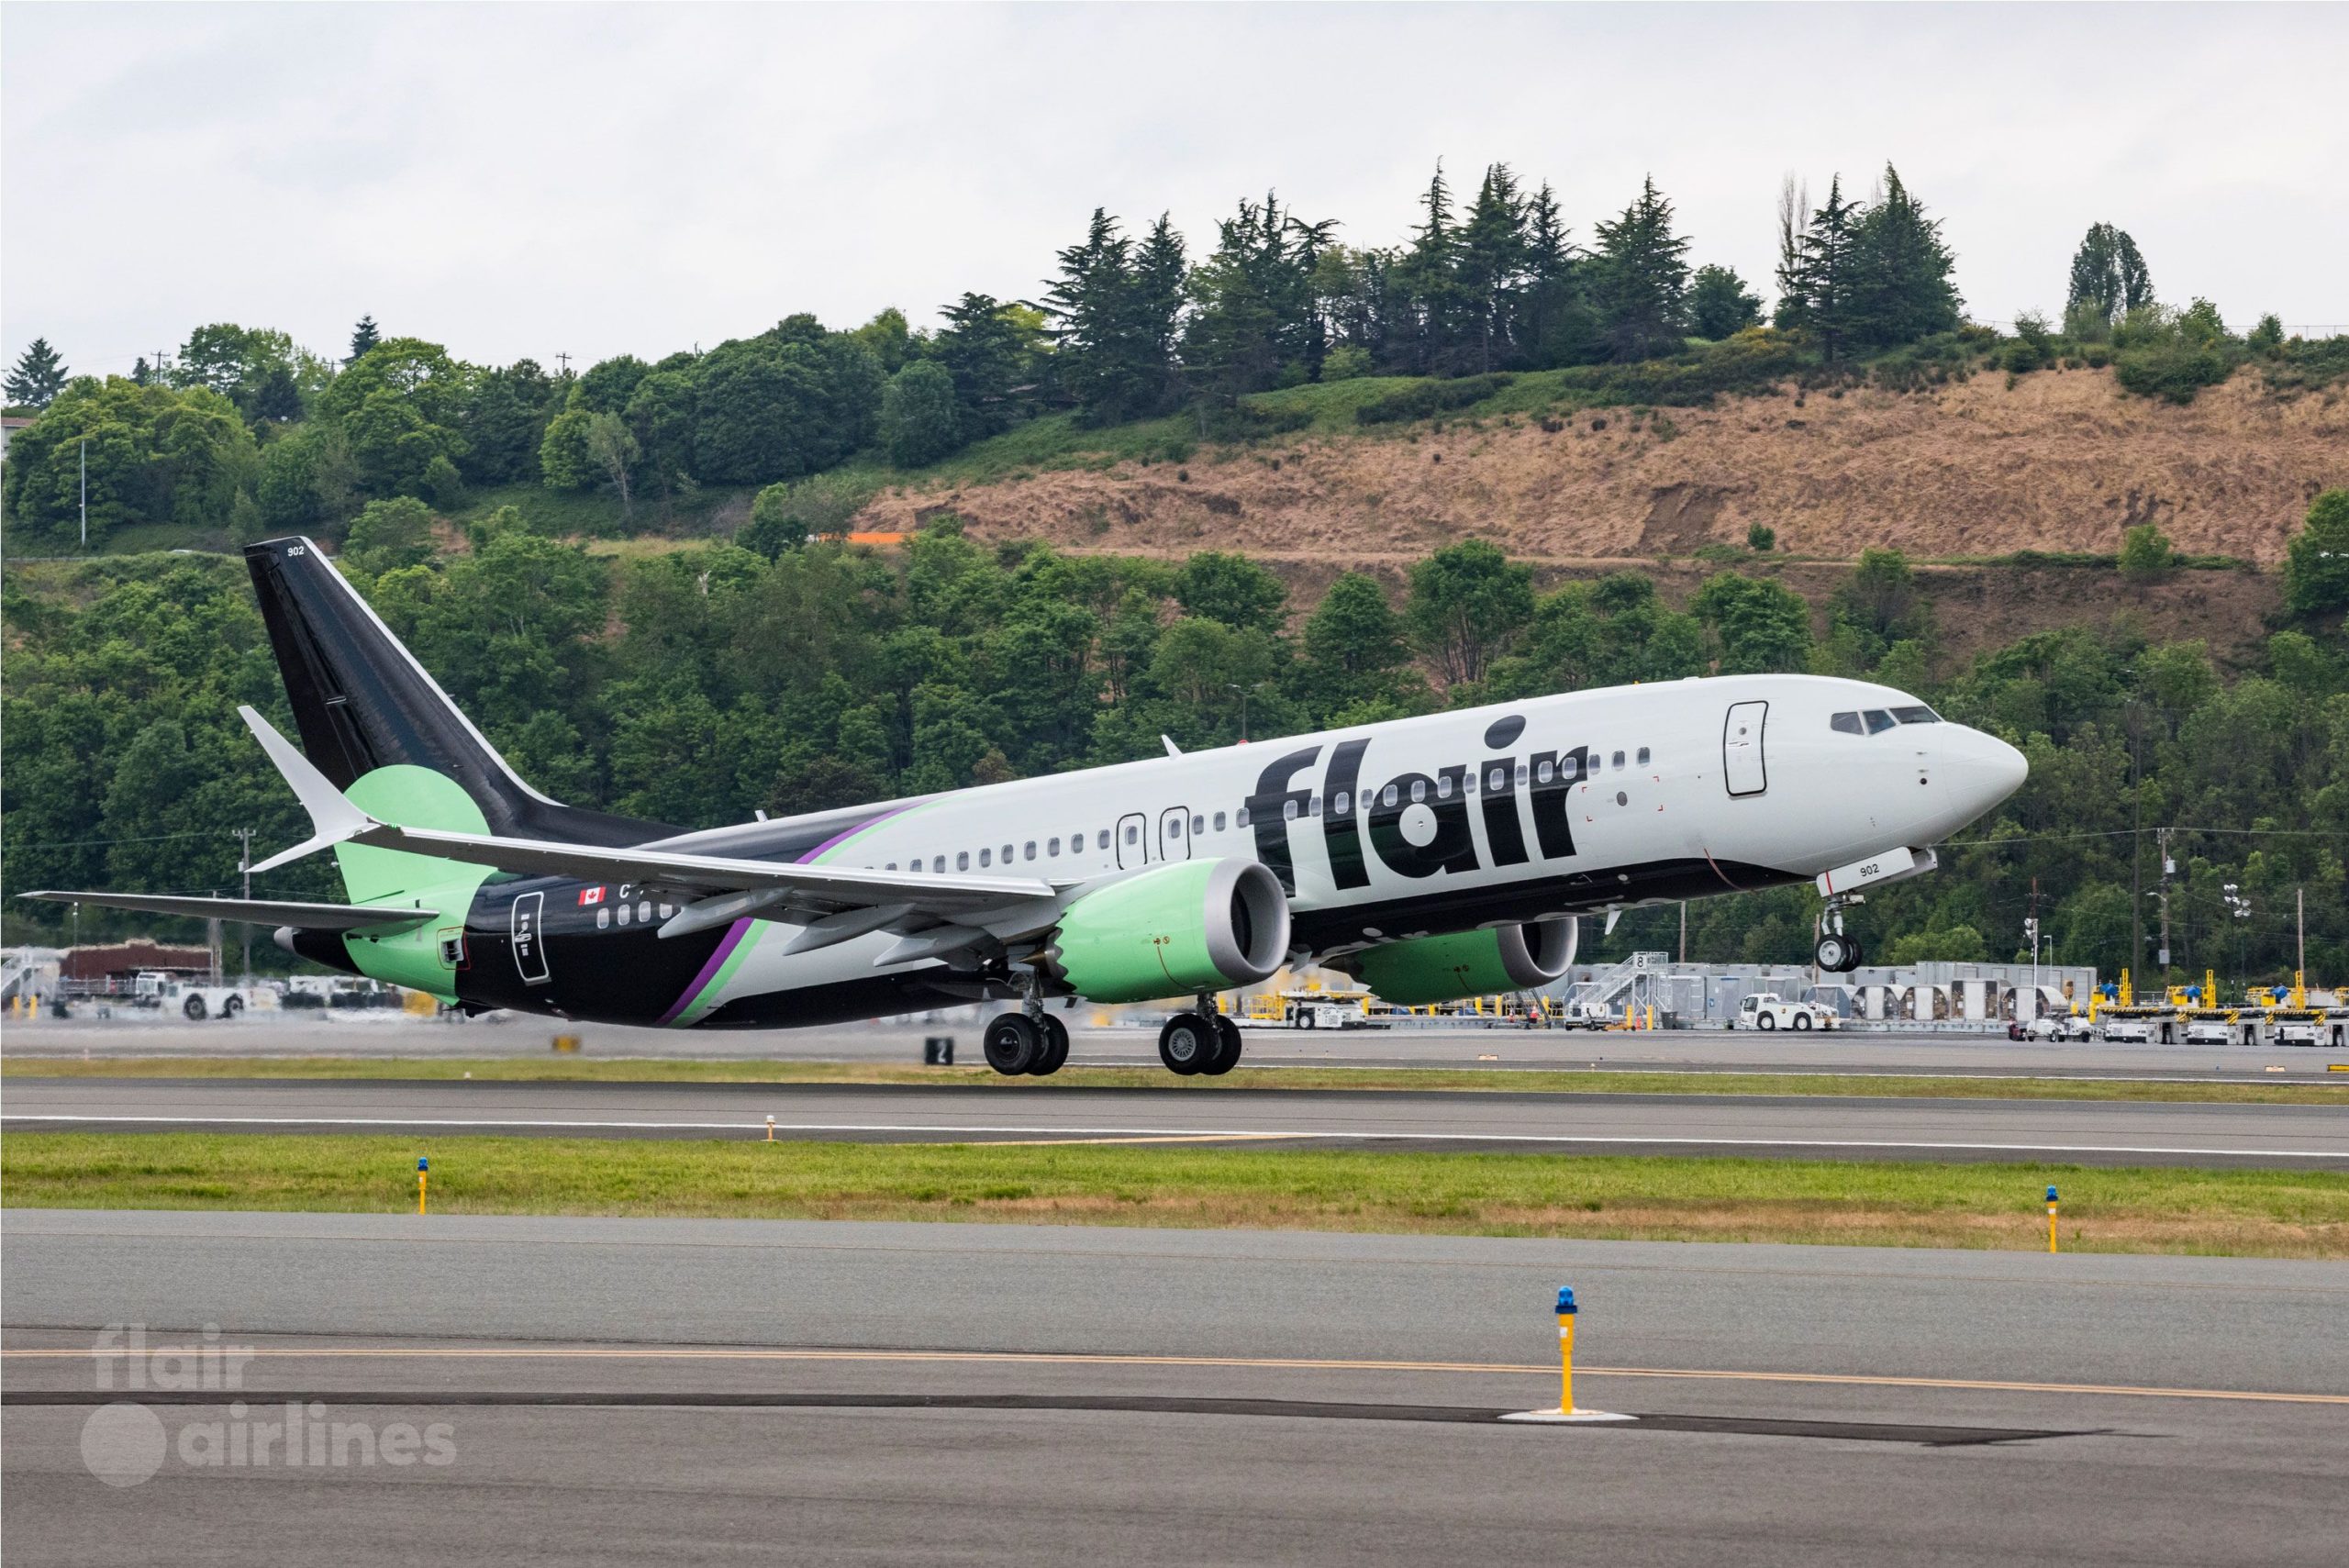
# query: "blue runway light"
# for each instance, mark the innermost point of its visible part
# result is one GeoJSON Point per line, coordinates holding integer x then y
{"type": "Point", "coordinates": [421, 1165]}
{"type": "Point", "coordinates": [1566, 1301]}
{"type": "Point", "coordinates": [2051, 1195]}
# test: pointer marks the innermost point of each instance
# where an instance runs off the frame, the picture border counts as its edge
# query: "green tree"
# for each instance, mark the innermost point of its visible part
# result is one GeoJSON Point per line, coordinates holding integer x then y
{"type": "Point", "coordinates": [2316, 562]}
{"type": "Point", "coordinates": [1758, 627]}
{"type": "Point", "coordinates": [989, 351]}
{"type": "Point", "coordinates": [2108, 279]}
{"type": "Point", "coordinates": [39, 377]}
{"type": "Point", "coordinates": [1639, 280]}
{"type": "Point", "coordinates": [153, 455]}
{"type": "Point", "coordinates": [565, 461]}
{"type": "Point", "coordinates": [1719, 303]}
{"type": "Point", "coordinates": [1113, 315]}
{"type": "Point", "coordinates": [1490, 266]}
{"type": "Point", "coordinates": [661, 412]}
{"type": "Point", "coordinates": [364, 339]}
{"type": "Point", "coordinates": [1825, 297]}
{"type": "Point", "coordinates": [1467, 600]}
{"type": "Point", "coordinates": [1355, 648]}
{"type": "Point", "coordinates": [608, 384]}
{"type": "Point", "coordinates": [921, 419]}
{"type": "Point", "coordinates": [2146, 553]}
{"type": "Point", "coordinates": [1231, 589]}
{"type": "Point", "coordinates": [1900, 271]}
{"type": "Point", "coordinates": [389, 535]}
{"type": "Point", "coordinates": [613, 449]}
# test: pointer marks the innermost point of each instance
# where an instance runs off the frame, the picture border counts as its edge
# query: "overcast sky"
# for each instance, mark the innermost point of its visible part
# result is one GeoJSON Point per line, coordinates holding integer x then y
{"type": "Point", "coordinates": [599, 179]}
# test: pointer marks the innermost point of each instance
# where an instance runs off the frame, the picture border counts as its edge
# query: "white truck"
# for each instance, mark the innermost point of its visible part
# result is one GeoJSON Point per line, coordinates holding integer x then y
{"type": "Point", "coordinates": [1323, 1010]}
{"type": "Point", "coordinates": [192, 999]}
{"type": "Point", "coordinates": [1767, 1011]}
{"type": "Point", "coordinates": [2058, 1027]}
{"type": "Point", "coordinates": [2209, 1031]}
{"type": "Point", "coordinates": [2299, 1032]}
{"type": "Point", "coordinates": [2128, 1031]}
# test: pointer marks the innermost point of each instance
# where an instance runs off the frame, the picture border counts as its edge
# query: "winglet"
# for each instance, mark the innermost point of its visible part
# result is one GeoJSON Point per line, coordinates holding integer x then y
{"type": "Point", "coordinates": [332, 816]}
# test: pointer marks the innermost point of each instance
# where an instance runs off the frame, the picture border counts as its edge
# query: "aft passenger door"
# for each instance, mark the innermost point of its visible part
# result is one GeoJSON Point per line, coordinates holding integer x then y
{"type": "Point", "coordinates": [1133, 845]}
{"type": "Point", "coordinates": [1173, 833]}
{"type": "Point", "coordinates": [1742, 759]}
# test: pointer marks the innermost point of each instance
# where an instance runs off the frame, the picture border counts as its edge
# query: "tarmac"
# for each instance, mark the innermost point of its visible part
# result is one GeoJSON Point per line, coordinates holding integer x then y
{"type": "Point", "coordinates": [598, 1390]}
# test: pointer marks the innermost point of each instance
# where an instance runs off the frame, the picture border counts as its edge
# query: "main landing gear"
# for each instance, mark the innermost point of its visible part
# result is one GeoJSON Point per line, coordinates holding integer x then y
{"type": "Point", "coordinates": [1836, 952]}
{"type": "Point", "coordinates": [1203, 1040]}
{"type": "Point", "coordinates": [1031, 1042]}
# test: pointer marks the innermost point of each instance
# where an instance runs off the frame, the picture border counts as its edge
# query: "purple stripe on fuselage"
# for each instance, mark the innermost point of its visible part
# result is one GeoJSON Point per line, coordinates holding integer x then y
{"type": "Point", "coordinates": [726, 945]}
{"type": "Point", "coordinates": [847, 833]}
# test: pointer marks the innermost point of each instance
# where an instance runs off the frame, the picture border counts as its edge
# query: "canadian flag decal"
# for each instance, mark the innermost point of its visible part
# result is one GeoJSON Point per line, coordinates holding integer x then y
{"type": "Point", "coordinates": [591, 896]}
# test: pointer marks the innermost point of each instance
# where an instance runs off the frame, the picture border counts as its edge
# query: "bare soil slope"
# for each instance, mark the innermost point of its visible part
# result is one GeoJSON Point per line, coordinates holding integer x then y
{"type": "Point", "coordinates": [2061, 461]}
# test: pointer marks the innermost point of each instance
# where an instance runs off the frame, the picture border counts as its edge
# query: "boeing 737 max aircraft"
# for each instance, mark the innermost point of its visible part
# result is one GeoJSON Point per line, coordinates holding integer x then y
{"type": "Point", "coordinates": [1432, 858]}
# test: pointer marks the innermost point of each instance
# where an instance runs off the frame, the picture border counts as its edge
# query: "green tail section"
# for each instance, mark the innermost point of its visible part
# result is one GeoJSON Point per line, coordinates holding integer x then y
{"type": "Point", "coordinates": [420, 958]}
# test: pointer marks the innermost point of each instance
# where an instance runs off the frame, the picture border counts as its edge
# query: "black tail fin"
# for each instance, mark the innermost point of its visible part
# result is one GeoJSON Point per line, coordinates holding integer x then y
{"type": "Point", "coordinates": [362, 702]}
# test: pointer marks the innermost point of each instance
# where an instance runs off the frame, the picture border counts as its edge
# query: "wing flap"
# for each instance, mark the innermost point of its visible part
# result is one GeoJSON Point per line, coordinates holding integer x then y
{"type": "Point", "coordinates": [251, 911]}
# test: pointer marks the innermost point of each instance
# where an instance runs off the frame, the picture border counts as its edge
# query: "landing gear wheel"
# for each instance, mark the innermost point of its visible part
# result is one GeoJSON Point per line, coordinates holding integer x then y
{"type": "Point", "coordinates": [1859, 954]}
{"type": "Point", "coordinates": [193, 1007]}
{"type": "Point", "coordinates": [1186, 1044]}
{"type": "Point", "coordinates": [1767, 1021]}
{"type": "Point", "coordinates": [1012, 1044]}
{"type": "Point", "coordinates": [1055, 1048]}
{"type": "Point", "coordinates": [1228, 1044]}
{"type": "Point", "coordinates": [1837, 954]}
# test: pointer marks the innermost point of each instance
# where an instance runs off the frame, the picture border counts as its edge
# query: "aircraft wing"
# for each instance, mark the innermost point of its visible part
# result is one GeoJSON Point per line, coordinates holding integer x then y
{"type": "Point", "coordinates": [253, 911]}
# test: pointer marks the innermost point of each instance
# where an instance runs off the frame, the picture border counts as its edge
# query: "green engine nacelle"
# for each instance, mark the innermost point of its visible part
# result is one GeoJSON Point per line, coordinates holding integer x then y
{"type": "Point", "coordinates": [1468, 963]}
{"type": "Point", "coordinates": [1174, 930]}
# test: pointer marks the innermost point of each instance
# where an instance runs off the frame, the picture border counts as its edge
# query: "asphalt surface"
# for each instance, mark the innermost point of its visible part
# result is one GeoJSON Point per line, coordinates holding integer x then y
{"type": "Point", "coordinates": [1818, 1127]}
{"type": "Point", "coordinates": [618, 1390]}
{"type": "Point", "coordinates": [1871, 1050]}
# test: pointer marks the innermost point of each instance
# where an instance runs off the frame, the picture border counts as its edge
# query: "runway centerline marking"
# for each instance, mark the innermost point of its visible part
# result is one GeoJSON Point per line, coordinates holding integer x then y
{"type": "Point", "coordinates": [1050, 1358]}
{"type": "Point", "coordinates": [995, 1132]}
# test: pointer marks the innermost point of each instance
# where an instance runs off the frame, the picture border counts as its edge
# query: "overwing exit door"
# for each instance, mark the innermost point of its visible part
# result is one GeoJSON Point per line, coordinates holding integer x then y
{"type": "Point", "coordinates": [1173, 833]}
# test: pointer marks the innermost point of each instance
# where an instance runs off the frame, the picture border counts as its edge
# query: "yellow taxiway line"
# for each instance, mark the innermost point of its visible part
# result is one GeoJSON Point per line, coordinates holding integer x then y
{"type": "Point", "coordinates": [609, 1353]}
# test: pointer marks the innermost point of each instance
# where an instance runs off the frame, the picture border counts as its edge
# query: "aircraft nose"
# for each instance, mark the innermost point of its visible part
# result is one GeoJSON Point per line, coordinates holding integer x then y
{"type": "Point", "coordinates": [1979, 771]}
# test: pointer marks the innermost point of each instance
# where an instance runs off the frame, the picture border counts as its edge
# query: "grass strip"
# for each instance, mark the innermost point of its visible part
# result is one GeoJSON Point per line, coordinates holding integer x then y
{"type": "Point", "coordinates": [1895, 1204]}
{"type": "Point", "coordinates": [1487, 1080]}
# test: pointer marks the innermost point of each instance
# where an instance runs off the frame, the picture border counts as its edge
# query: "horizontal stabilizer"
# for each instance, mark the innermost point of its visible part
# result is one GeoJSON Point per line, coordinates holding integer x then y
{"type": "Point", "coordinates": [253, 911]}
{"type": "Point", "coordinates": [332, 816]}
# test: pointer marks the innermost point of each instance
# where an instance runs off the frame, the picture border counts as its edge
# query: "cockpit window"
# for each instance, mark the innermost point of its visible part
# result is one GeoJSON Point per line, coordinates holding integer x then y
{"type": "Point", "coordinates": [1915, 716]}
{"type": "Point", "coordinates": [1847, 724]}
{"type": "Point", "coordinates": [1878, 720]}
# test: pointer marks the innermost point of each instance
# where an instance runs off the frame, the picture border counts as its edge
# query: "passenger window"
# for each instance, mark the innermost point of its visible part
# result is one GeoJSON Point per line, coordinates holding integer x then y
{"type": "Point", "coordinates": [1133, 834]}
{"type": "Point", "coordinates": [891, 866]}
{"type": "Point", "coordinates": [1443, 787]}
{"type": "Point", "coordinates": [1199, 826]}
{"type": "Point", "coordinates": [983, 857]}
{"type": "Point", "coordinates": [1175, 829]}
{"type": "Point", "coordinates": [1006, 854]}
{"type": "Point", "coordinates": [1419, 791]}
{"type": "Point", "coordinates": [1618, 759]}
{"type": "Point", "coordinates": [1542, 774]}
{"type": "Point", "coordinates": [1387, 796]}
{"type": "Point", "coordinates": [1104, 842]}
{"type": "Point", "coordinates": [937, 865]}
{"type": "Point", "coordinates": [666, 911]}
{"type": "Point", "coordinates": [1313, 806]}
{"type": "Point", "coordinates": [1027, 851]}
{"type": "Point", "coordinates": [1568, 766]}
{"type": "Point", "coordinates": [603, 918]}
{"type": "Point", "coordinates": [644, 909]}
{"type": "Point", "coordinates": [1915, 716]}
{"type": "Point", "coordinates": [1218, 821]}
{"type": "Point", "coordinates": [624, 914]}
{"type": "Point", "coordinates": [1520, 776]}
{"type": "Point", "coordinates": [1289, 810]}
{"type": "Point", "coordinates": [1497, 779]}
{"type": "Point", "coordinates": [1878, 721]}
{"type": "Point", "coordinates": [1643, 756]}
{"type": "Point", "coordinates": [961, 860]}
{"type": "Point", "coordinates": [1341, 803]}
{"type": "Point", "coordinates": [1845, 724]}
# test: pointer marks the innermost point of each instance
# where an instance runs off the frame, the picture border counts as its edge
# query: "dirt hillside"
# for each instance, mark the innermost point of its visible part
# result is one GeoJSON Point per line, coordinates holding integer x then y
{"type": "Point", "coordinates": [2061, 461]}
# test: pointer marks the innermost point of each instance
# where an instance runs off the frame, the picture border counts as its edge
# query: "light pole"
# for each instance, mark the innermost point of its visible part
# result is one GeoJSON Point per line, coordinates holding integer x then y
{"type": "Point", "coordinates": [2239, 908]}
{"type": "Point", "coordinates": [1245, 693]}
{"type": "Point", "coordinates": [2030, 935]}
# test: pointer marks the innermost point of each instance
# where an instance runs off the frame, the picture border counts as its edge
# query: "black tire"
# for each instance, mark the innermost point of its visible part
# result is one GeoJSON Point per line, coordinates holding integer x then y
{"type": "Point", "coordinates": [1767, 1021]}
{"type": "Point", "coordinates": [232, 1006]}
{"type": "Point", "coordinates": [1228, 1048]}
{"type": "Point", "coordinates": [1186, 1044]}
{"type": "Point", "coordinates": [1012, 1044]}
{"type": "Point", "coordinates": [1309, 1019]}
{"type": "Point", "coordinates": [1833, 954]}
{"type": "Point", "coordinates": [1802, 1023]}
{"type": "Point", "coordinates": [1859, 955]}
{"type": "Point", "coordinates": [1054, 1054]}
{"type": "Point", "coordinates": [193, 1008]}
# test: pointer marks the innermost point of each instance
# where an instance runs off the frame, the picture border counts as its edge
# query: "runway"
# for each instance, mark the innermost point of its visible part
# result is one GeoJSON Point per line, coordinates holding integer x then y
{"type": "Point", "coordinates": [1499, 1049]}
{"type": "Point", "coordinates": [621, 1390]}
{"type": "Point", "coordinates": [2083, 1131]}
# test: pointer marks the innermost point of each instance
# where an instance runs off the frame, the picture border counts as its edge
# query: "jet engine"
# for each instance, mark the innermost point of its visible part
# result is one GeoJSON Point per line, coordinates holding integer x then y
{"type": "Point", "coordinates": [1467, 964]}
{"type": "Point", "coordinates": [1173, 930]}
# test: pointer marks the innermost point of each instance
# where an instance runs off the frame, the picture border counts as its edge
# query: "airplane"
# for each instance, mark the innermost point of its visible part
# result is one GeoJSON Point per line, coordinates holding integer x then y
{"type": "Point", "coordinates": [1430, 857]}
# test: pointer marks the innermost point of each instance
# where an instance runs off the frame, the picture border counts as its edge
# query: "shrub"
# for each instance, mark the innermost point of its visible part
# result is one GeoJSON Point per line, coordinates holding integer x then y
{"type": "Point", "coordinates": [2316, 564]}
{"type": "Point", "coordinates": [1347, 362]}
{"type": "Point", "coordinates": [921, 420]}
{"type": "Point", "coordinates": [2146, 553]}
{"type": "Point", "coordinates": [2172, 368]}
{"type": "Point", "coordinates": [1425, 399]}
{"type": "Point", "coordinates": [1761, 538]}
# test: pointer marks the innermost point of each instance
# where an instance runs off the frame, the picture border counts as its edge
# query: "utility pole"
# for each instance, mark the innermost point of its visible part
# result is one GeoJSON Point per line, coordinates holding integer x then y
{"type": "Point", "coordinates": [245, 864]}
{"type": "Point", "coordinates": [2161, 836]}
{"type": "Point", "coordinates": [564, 361]}
{"type": "Point", "coordinates": [1684, 933]}
{"type": "Point", "coordinates": [2030, 934]}
{"type": "Point", "coordinates": [2300, 938]}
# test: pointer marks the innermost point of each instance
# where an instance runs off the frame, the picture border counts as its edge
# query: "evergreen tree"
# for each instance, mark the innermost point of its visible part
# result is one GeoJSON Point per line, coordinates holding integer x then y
{"type": "Point", "coordinates": [39, 377]}
{"type": "Point", "coordinates": [1900, 289]}
{"type": "Point", "coordinates": [363, 337]}
{"type": "Point", "coordinates": [1823, 298]}
{"type": "Point", "coordinates": [2110, 278]}
{"type": "Point", "coordinates": [142, 374]}
{"type": "Point", "coordinates": [1113, 320]}
{"type": "Point", "coordinates": [1489, 267]}
{"type": "Point", "coordinates": [1424, 332]}
{"type": "Point", "coordinates": [920, 421]}
{"type": "Point", "coordinates": [986, 353]}
{"type": "Point", "coordinates": [1639, 279]}
{"type": "Point", "coordinates": [1253, 304]}
{"type": "Point", "coordinates": [1719, 302]}
{"type": "Point", "coordinates": [1794, 204]}
{"type": "Point", "coordinates": [1546, 302]}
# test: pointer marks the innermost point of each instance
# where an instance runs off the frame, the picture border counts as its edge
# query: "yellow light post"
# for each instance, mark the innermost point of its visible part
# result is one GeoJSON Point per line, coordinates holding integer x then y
{"type": "Point", "coordinates": [1566, 1351]}
{"type": "Point", "coordinates": [423, 1168]}
{"type": "Point", "coordinates": [2051, 1219]}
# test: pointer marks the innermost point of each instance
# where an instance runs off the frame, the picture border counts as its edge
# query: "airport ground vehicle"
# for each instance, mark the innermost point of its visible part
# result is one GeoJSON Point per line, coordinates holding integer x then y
{"type": "Point", "coordinates": [1431, 857]}
{"type": "Point", "coordinates": [189, 998]}
{"type": "Point", "coordinates": [2209, 1031]}
{"type": "Point", "coordinates": [2058, 1027]}
{"type": "Point", "coordinates": [1766, 1010]}
{"type": "Point", "coordinates": [2299, 1032]}
{"type": "Point", "coordinates": [1584, 1015]}
{"type": "Point", "coordinates": [2128, 1031]}
{"type": "Point", "coordinates": [1324, 1010]}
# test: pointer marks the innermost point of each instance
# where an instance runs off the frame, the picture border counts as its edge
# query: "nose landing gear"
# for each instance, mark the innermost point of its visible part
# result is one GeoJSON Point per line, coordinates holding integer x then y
{"type": "Point", "coordinates": [1837, 954]}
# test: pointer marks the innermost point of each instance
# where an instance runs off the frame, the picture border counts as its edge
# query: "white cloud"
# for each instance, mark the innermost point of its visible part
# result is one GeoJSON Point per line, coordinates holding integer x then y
{"type": "Point", "coordinates": [525, 180]}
